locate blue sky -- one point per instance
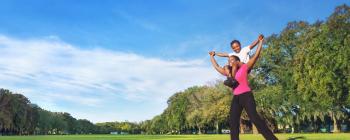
(121, 60)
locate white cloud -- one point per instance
(62, 77)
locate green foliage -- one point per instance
(302, 77)
(341, 136)
(194, 110)
(309, 63)
(301, 81)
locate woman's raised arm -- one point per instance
(255, 57)
(216, 65)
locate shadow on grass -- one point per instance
(297, 138)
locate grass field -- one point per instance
(342, 136)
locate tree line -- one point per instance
(18, 116)
(301, 84)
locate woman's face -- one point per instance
(236, 47)
(232, 61)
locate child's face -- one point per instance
(236, 47)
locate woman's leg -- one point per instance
(248, 102)
(235, 116)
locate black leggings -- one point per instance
(246, 101)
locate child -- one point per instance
(243, 54)
(240, 55)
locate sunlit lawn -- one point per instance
(341, 136)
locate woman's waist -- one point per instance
(241, 89)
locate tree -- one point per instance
(322, 67)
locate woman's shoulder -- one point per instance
(245, 67)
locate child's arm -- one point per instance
(234, 70)
(227, 70)
(251, 46)
(216, 65)
(221, 54)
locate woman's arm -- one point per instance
(216, 65)
(255, 57)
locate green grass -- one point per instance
(341, 136)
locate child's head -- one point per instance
(236, 46)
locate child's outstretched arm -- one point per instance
(221, 54)
(251, 46)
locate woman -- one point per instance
(243, 96)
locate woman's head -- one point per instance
(233, 60)
(236, 46)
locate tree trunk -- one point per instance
(217, 127)
(241, 128)
(335, 125)
(199, 130)
(315, 127)
(255, 130)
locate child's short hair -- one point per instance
(235, 41)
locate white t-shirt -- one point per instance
(243, 54)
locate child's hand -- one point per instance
(262, 40)
(212, 53)
(261, 37)
(234, 68)
(227, 70)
